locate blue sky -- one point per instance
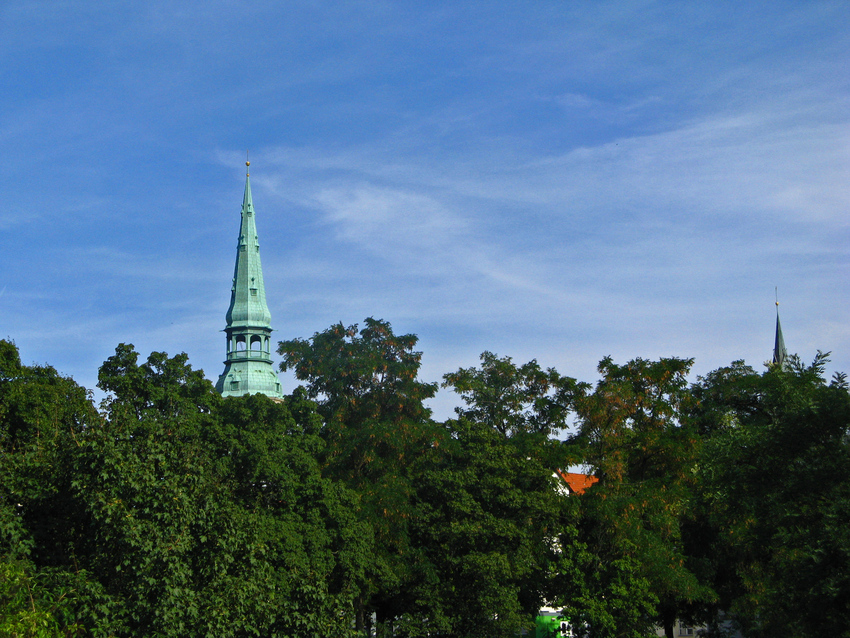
(550, 180)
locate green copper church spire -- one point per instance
(248, 367)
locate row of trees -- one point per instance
(345, 508)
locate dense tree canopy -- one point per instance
(172, 511)
(634, 438)
(776, 494)
(344, 508)
(376, 429)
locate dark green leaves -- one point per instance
(174, 512)
(777, 495)
(513, 400)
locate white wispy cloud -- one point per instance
(645, 237)
(543, 180)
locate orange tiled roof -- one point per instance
(577, 483)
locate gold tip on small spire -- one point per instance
(247, 163)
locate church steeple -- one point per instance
(780, 354)
(248, 368)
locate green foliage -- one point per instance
(211, 516)
(605, 593)
(376, 428)
(308, 524)
(163, 533)
(484, 536)
(634, 572)
(23, 608)
(513, 400)
(723, 397)
(161, 389)
(10, 360)
(488, 511)
(44, 418)
(777, 499)
(368, 395)
(50, 602)
(174, 512)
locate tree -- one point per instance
(634, 571)
(211, 516)
(776, 495)
(488, 514)
(368, 395)
(172, 512)
(376, 427)
(164, 390)
(513, 400)
(43, 420)
(163, 533)
(317, 548)
(487, 508)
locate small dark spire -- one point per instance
(780, 354)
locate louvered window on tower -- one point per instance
(253, 292)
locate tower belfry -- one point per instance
(248, 368)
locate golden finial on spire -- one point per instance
(247, 163)
(776, 293)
